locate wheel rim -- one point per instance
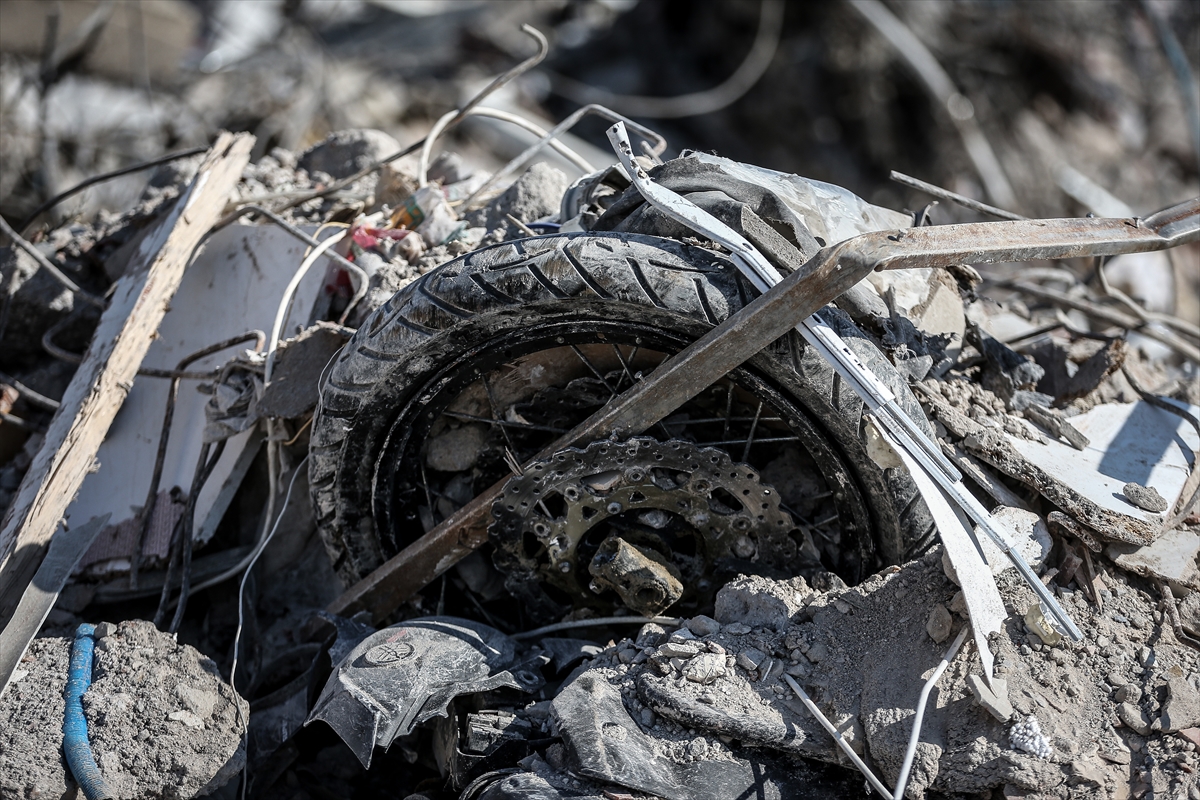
(756, 423)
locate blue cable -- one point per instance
(76, 747)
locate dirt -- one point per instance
(161, 721)
(863, 653)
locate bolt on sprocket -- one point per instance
(684, 509)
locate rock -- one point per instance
(939, 624)
(737, 629)
(958, 604)
(1134, 718)
(1171, 557)
(1115, 751)
(703, 626)
(705, 668)
(750, 658)
(1129, 693)
(1182, 709)
(343, 153)
(993, 699)
(536, 194)
(198, 701)
(676, 649)
(456, 449)
(187, 718)
(817, 653)
(650, 634)
(104, 629)
(1146, 498)
(760, 602)
(1026, 532)
(1189, 613)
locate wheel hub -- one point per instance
(645, 520)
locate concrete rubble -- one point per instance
(751, 596)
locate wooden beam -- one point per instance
(139, 301)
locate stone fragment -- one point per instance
(958, 604)
(345, 152)
(1182, 709)
(760, 602)
(1146, 498)
(705, 668)
(1171, 557)
(1129, 693)
(703, 626)
(105, 629)
(994, 698)
(1189, 613)
(750, 658)
(456, 449)
(187, 718)
(736, 629)
(1025, 531)
(1134, 718)
(940, 623)
(678, 649)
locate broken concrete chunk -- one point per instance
(1189, 613)
(705, 668)
(343, 153)
(703, 626)
(750, 658)
(1172, 558)
(759, 602)
(1182, 709)
(142, 681)
(1146, 498)
(940, 623)
(675, 649)
(1134, 718)
(536, 194)
(993, 699)
(1026, 532)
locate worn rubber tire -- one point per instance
(402, 351)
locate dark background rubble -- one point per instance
(1061, 89)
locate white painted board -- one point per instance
(1130, 443)
(234, 285)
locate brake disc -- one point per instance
(647, 519)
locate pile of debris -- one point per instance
(451, 444)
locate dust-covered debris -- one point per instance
(161, 721)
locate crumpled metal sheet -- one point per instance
(404, 675)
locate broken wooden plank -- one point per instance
(138, 303)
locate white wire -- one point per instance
(505, 116)
(237, 636)
(919, 717)
(286, 302)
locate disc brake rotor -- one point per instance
(646, 519)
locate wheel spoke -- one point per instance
(753, 427)
(624, 365)
(766, 440)
(595, 371)
(487, 387)
(504, 423)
